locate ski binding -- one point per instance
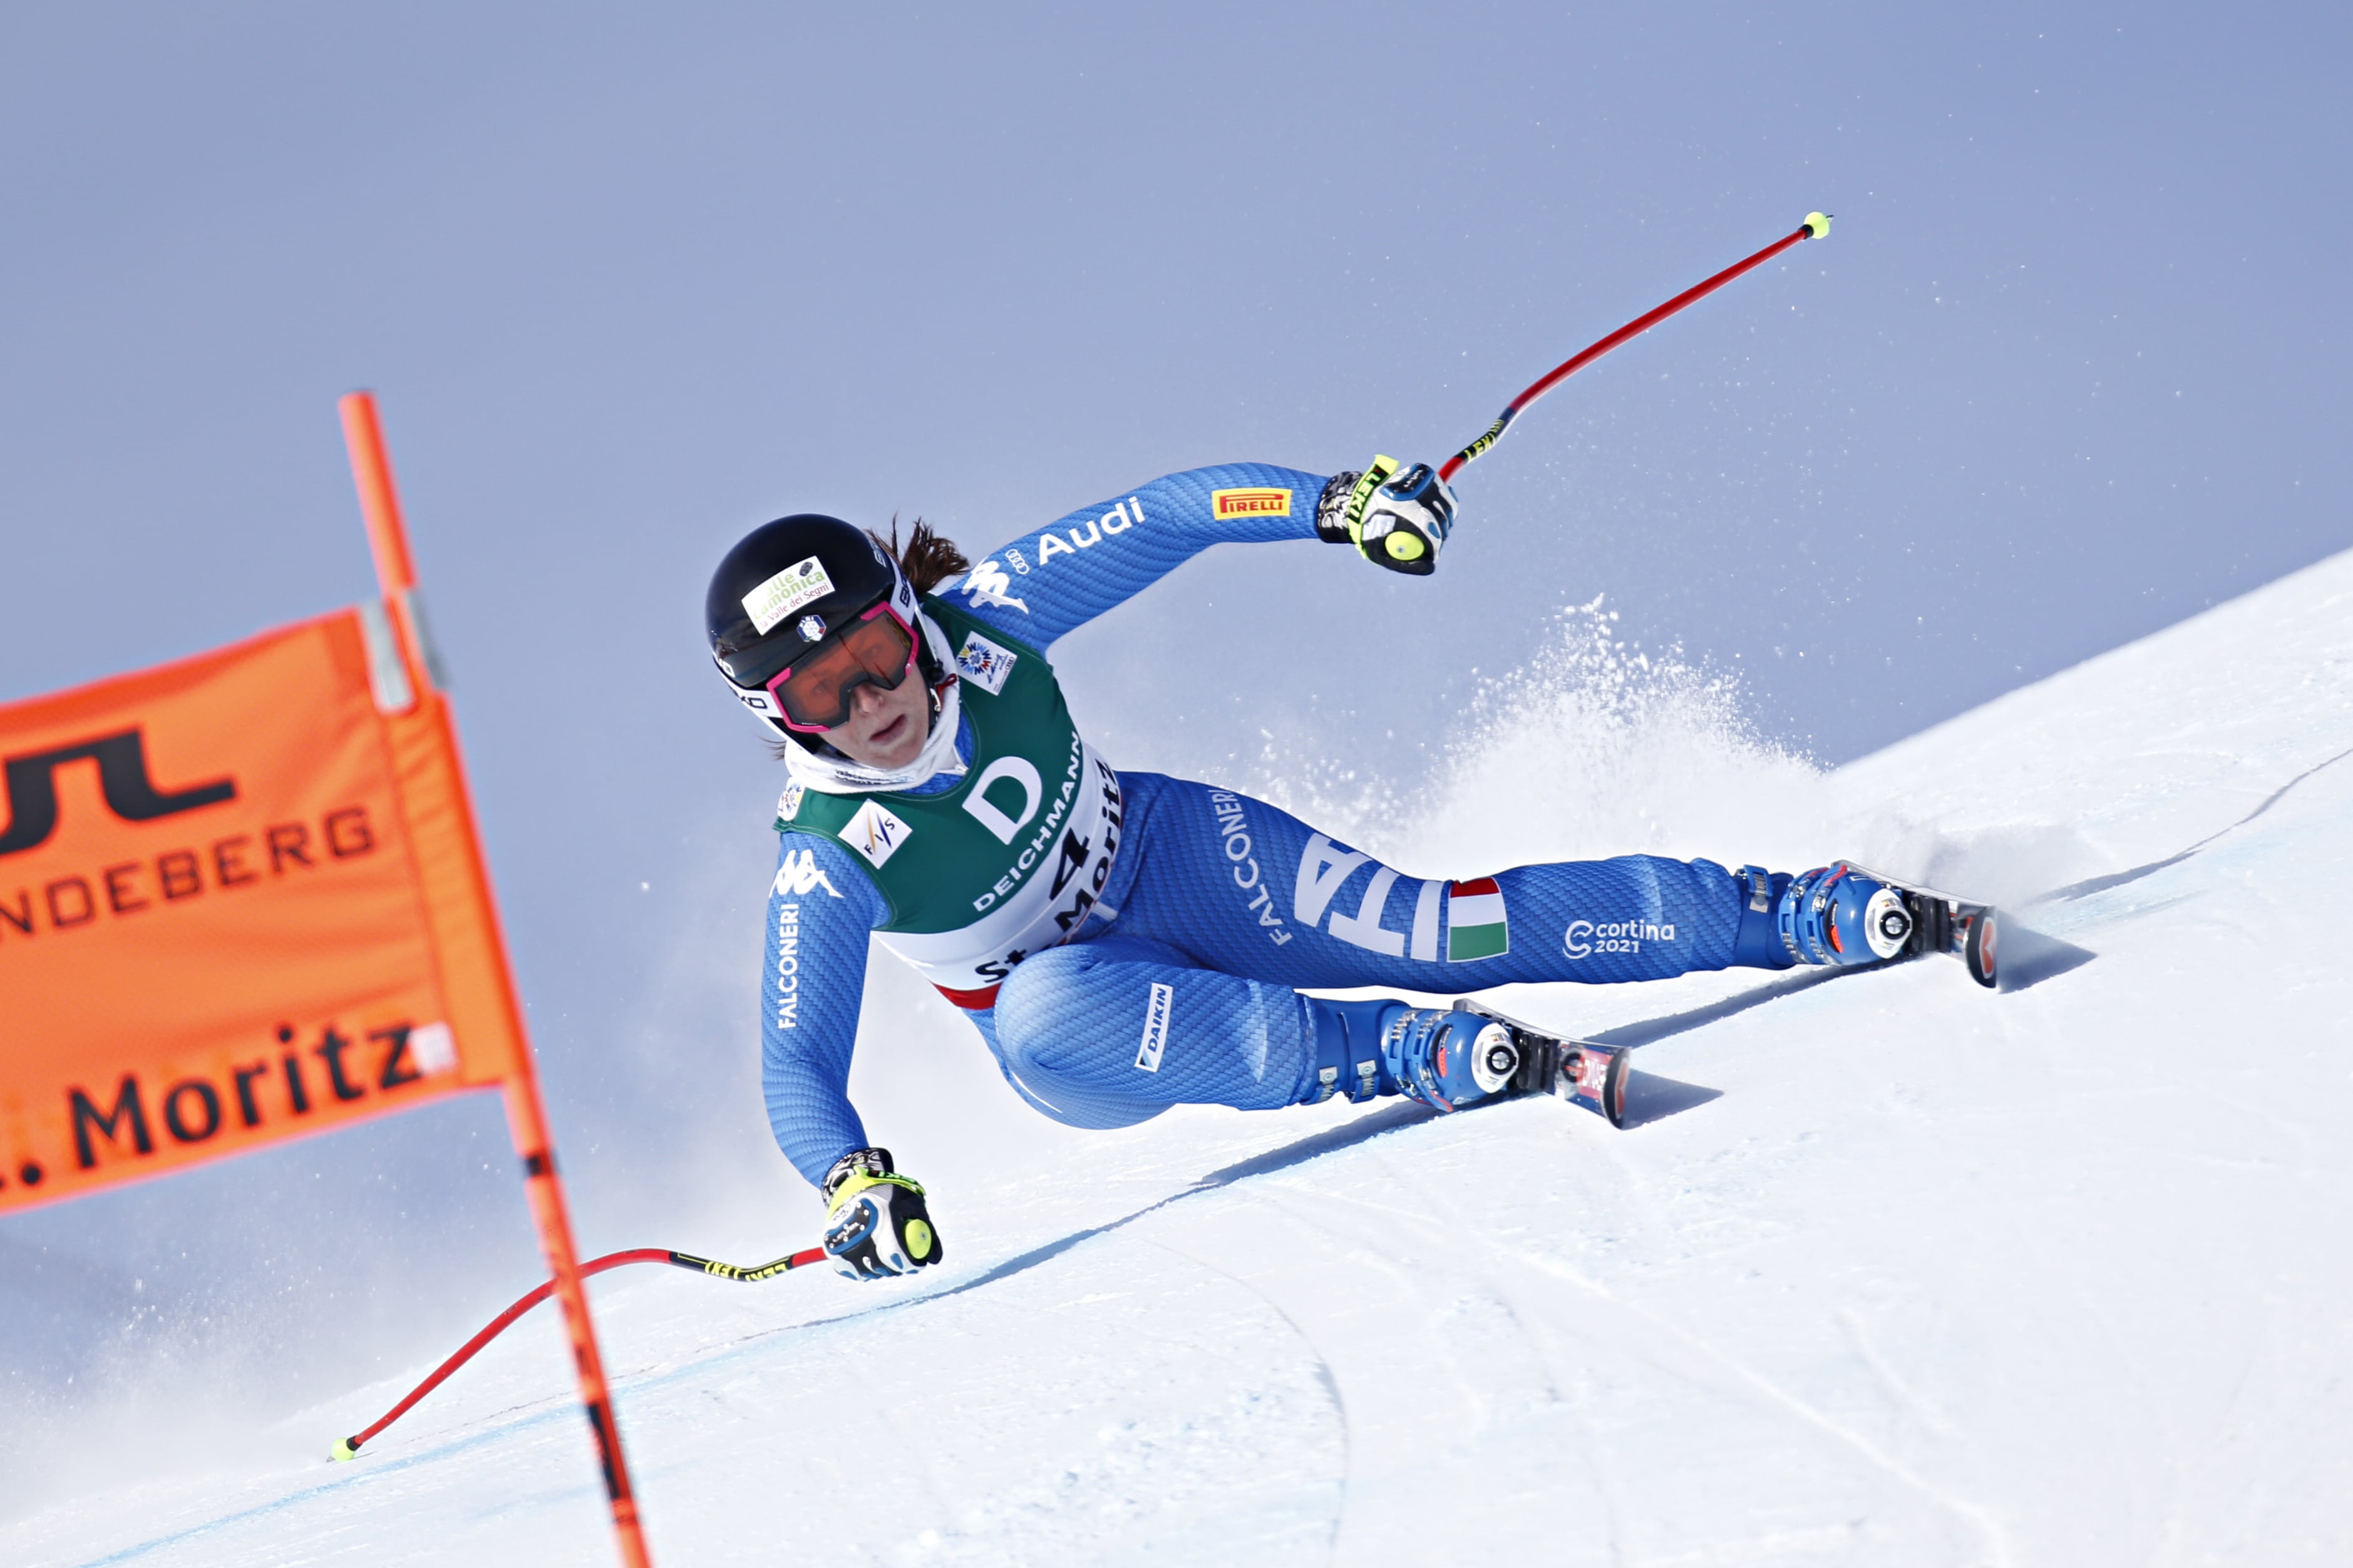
(1583, 1071)
(1946, 922)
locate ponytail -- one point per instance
(926, 559)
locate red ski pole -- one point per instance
(350, 1446)
(1816, 225)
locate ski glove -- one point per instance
(875, 1222)
(1394, 520)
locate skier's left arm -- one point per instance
(1043, 585)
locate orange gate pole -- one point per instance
(526, 1116)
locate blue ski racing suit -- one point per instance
(1180, 918)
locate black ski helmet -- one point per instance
(786, 586)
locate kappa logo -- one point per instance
(985, 663)
(1155, 1028)
(799, 875)
(875, 833)
(988, 584)
(1254, 500)
(123, 779)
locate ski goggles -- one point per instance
(813, 692)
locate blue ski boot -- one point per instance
(1450, 1057)
(1845, 914)
(1837, 914)
(1443, 1058)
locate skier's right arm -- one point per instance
(822, 910)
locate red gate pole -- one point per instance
(526, 1116)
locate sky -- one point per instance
(629, 281)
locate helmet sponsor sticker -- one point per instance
(875, 833)
(804, 583)
(812, 628)
(1252, 501)
(985, 663)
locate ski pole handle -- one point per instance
(1816, 225)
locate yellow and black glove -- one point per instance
(1394, 520)
(876, 1224)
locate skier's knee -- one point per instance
(1038, 991)
(1056, 1034)
(1050, 1068)
(1039, 1008)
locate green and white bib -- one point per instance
(1013, 859)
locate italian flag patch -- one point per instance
(1476, 926)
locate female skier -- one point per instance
(1126, 941)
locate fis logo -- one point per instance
(130, 794)
(1257, 500)
(1155, 1028)
(875, 833)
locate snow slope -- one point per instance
(1891, 1270)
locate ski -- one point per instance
(1947, 922)
(1583, 1072)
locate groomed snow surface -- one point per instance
(1891, 1269)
